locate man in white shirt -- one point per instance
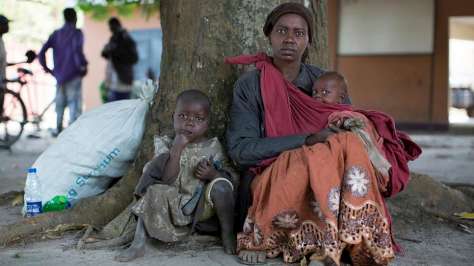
(3, 59)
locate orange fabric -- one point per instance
(318, 200)
(374, 135)
(289, 111)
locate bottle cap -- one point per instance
(31, 170)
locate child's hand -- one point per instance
(205, 170)
(180, 141)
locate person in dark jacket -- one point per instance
(121, 54)
(307, 188)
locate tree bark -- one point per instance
(197, 35)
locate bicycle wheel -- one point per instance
(13, 119)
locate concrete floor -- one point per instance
(14, 163)
(448, 158)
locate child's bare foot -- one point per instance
(131, 253)
(229, 243)
(137, 249)
(223, 199)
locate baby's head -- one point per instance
(330, 88)
(191, 116)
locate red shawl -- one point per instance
(289, 111)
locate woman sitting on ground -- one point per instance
(318, 199)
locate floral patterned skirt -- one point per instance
(319, 200)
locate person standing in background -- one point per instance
(70, 66)
(121, 54)
(3, 59)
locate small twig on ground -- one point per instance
(446, 217)
(462, 224)
(464, 228)
(78, 235)
(410, 239)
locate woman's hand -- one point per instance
(205, 171)
(319, 137)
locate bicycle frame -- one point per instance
(13, 119)
(34, 117)
(13, 111)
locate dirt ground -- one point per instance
(424, 224)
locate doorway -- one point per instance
(461, 70)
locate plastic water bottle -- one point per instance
(32, 194)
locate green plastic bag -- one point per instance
(58, 203)
(103, 92)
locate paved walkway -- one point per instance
(448, 158)
(14, 164)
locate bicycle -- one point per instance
(15, 116)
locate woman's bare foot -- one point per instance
(250, 257)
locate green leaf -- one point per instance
(100, 12)
(465, 215)
(125, 8)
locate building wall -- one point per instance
(413, 88)
(96, 34)
(398, 85)
(386, 27)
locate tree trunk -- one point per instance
(197, 35)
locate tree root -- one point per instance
(110, 243)
(60, 229)
(10, 197)
(81, 242)
(94, 211)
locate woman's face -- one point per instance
(289, 38)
